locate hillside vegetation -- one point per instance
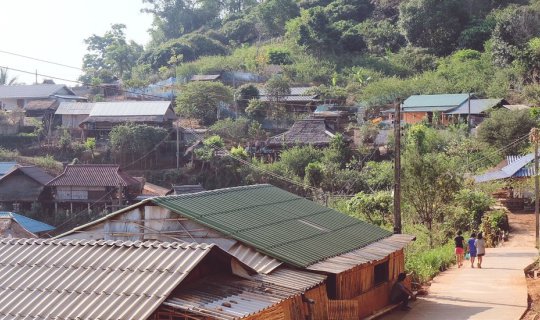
(369, 51)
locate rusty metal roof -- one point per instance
(370, 253)
(54, 279)
(94, 175)
(229, 297)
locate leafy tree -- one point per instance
(273, 14)
(256, 110)
(240, 30)
(296, 159)
(131, 141)
(314, 30)
(430, 178)
(381, 36)
(376, 208)
(476, 34)
(110, 55)
(504, 127)
(378, 175)
(279, 57)
(231, 130)
(476, 203)
(4, 78)
(277, 87)
(514, 27)
(433, 24)
(203, 45)
(90, 144)
(314, 174)
(349, 10)
(244, 94)
(200, 100)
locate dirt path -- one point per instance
(497, 291)
(521, 229)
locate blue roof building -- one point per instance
(6, 167)
(516, 167)
(28, 224)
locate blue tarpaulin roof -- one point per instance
(518, 166)
(5, 167)
(29, 224)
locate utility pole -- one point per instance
(469, 114)
(534, 138)
(397, 167)
(177, 146)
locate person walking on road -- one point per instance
(480, 245)
(459, 240)
(400, 293)
(471, 248)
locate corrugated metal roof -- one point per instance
(205, 77)
(228, 297)
(130, 108)
(29, 224)
(53, 279)
(295, 91)
(300, 98)
(253, 258)
(188, 188)
(74, 108)
(292, 279)
(44, 104)
(6, 167)
(125, 119)
(31, 91)
(35, 173)
(96, 175)
(516, 107)
(435, 100)
(370, 253)
(516, 167)
(477, 106)
(275, 222)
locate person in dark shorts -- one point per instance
(459, 240)
(400, 293)
(471, 248)
(480, 245)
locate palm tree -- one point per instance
(4, 77)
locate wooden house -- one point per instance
(141, 280)
(14, 225)
(100, 184)
(19, 96)
(299, 101)
(268, 229)
(314, 132)
(428, 108)
(22, 187)
(72, 114)
(105, 115)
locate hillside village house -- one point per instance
(22, 187)
(102, 185)
(5, 167)
(300, 100)
(268, 229)
(19, 96)
(445, 108)
(72, 114)
(105, 115)
(143, 280)
(14, 225)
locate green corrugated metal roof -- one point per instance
(276, 222)
(441, 102)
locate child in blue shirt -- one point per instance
(472, 248)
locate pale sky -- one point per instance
(55, 30)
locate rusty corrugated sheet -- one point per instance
(256, 260)
(71, 279)
(373, 252)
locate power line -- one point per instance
(41, 60)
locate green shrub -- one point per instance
(424, 265)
